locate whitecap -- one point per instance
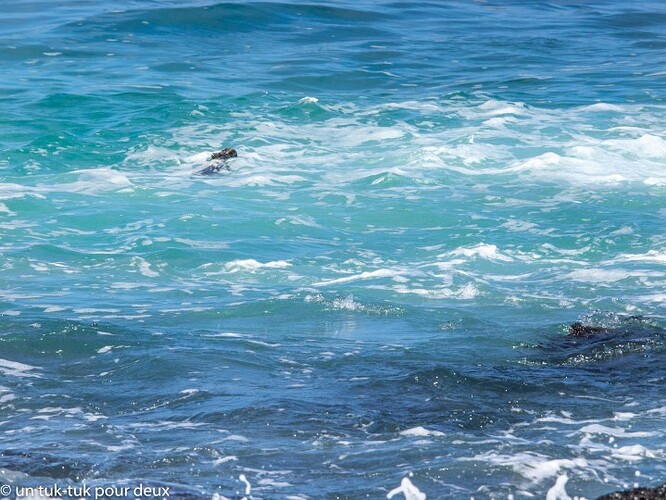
(632, 453)
(466, 292)
(532, 466)
(558, 491)
(408, 489)
(16, 369)
(93, 181)
(646, 146)
(253, 265)
(421, 432)
(482, 250)
(144, 267)
(656, 256)
(308, 100)
(655, 181)
(379, 273)
(614, 431)
(248, 486)
(598, 275)
(603, 107)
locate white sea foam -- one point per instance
(298, 220)
(308, 100)
(262, 180)
(493, 107)
(654, 298)
(598, 275)
(421, 106)
(614, 431)
(224, 460)
(654, 256)
(237, 438)
(421, 432)
(604, 107)
(248, 486)
(530, 465)
(646, 146)
(567, 420)
(9, 191)
(92, 181)
(624, 416)
(94, 310)
(253, 265)
(272, 483)
(6, 210)
(483, 251)
(558, 490)
(165, 425)
(519, 225)
(633, 453)
(6, 398)
(348, 303)
(408, 489)
(199, 158)
(366, 275)
(149, 155)
(16, 369)
(144, 267)
(466, 292)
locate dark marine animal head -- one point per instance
(224, 154)
(219, 162)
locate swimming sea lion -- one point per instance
(219, 162)
(224, 154)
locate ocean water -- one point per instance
(374, 300)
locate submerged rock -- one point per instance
(620, 324)
(578, 329)
(658, 493)
(219, 162)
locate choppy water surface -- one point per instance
(425, 196)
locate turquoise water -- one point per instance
(379, 290)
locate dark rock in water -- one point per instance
(38, 464)
(219, 162)
(578, 329)
(611, 346)
(658, 493)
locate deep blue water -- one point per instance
(379, 289)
